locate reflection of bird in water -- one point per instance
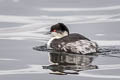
(66, 63)
(72, 43)
(70, 63)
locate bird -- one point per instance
(64, 41)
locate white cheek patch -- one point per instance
(55, 34)
(59, 35)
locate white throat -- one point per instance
(59, 35)
(56, 35)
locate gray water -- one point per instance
(24, 23)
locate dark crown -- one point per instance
(59, 27)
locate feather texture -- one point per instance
(74, 43)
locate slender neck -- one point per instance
(56, 36)
(49, 42)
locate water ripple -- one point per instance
(37, 69)
(82, 9)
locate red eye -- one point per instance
(54, 30)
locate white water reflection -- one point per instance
(30, 31)
(45, 19)
(108, 42)
(37, 69)
(7, 59)
(99, 76)
(16, 1)
(37, 26)
(83, 9)
(30, 70)
(100, 34)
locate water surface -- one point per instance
(23, 25)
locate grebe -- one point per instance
(62, 40)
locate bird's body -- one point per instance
(72, 43)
